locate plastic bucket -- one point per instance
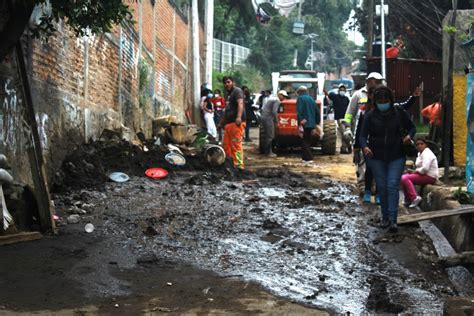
(214, 155)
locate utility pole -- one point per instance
(196, 63)
(370, 31)
(312, 54)
(295, 60)
(448, 99)
(209, 45)
(382, 21)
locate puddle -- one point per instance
(310, 245)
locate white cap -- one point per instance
(341, 85)
(374, 75)
(283, 92)
(302, 88)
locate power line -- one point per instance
(415, 15)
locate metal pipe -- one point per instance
(382, 17)
(295, 60)
(209, 48)
(196, 64)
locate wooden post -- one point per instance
(370, 31)
(448, 101)
(35, 153)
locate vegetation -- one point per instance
(273, 44)
(419, 22)
(82, 16)
(243, 76)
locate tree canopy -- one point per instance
(419, 23)
(272, 45)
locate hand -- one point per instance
(303, 122)
(367, 152)
(417, 92)
(407, 139)
(238, 121)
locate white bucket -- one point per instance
(214, 155)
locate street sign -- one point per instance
(298, 27)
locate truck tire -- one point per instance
(329, 141)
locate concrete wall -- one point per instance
(458, 230)
(82, 85)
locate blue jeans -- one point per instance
(387, 178)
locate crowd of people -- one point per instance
(381, 127)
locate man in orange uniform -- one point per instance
(234, 118)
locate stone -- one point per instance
(73, 219)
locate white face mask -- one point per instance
(342, 93)
(216, 95)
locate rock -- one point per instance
(5, 177)
(73, 219)
(148, 258)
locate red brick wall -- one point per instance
(82, 85)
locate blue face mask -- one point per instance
(342, 93)
(383, 106)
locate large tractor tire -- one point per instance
(329, 142)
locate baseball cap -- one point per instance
(283, 92)
(374, 75)
(341, 85)
(302, 88)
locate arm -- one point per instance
(317, 115)
(299, 110)
(352, 108)
(240, 111)
(276, 105)
(409, 126)
(364, 134)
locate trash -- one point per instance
(116, 305)
(175, 159)
(89, 228)
(119, 177)
(73, 219)
(172, 148)
(145, 149)
(169, 283)
(215, 155)
(7, 217)
(156, 173)
(56, 217)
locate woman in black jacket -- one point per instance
(384, 132)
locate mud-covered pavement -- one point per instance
(286, 238)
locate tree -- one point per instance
(419, 22)
(82, 16)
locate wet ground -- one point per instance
(286, 238)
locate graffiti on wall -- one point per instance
(164, 86)
(10, 116)
(42, 122)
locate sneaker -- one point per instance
(415, 202)
(307, 161)
(367, 197)
(272, 155)
(377, 200)
(393, 228)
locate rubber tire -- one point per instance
(329, 141)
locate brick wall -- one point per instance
(82, 85)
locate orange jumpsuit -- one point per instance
(232, 142)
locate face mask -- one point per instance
(209, 95)
(342, 93)
(383, 106)
(216, 95)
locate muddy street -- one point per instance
(284, 238)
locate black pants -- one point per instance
(306, 145)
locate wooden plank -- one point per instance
(35, 153)
(23, 236)
(404, 219)
(462, 259)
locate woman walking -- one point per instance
(426, 172)
(384, 131)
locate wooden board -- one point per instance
(404, 219)
(23, 236)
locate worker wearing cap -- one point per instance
(354, 117)
(340, 101)
(269, 120)
(308, 117)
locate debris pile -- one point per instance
(90, 165)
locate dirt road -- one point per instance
(285, 239)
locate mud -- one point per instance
(200, 239)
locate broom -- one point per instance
(7, 217)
